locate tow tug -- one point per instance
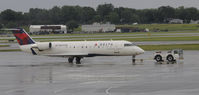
(170, 56)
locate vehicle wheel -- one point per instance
(70, 59)
(158, 58)
(78, 60)
(170, 58)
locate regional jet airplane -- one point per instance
(75, 49)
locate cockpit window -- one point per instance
(129, 44)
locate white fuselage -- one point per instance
(85, 48)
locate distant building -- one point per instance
(48, 29)
(135, 23)
(175, 21)
(194, 22)
(97, 27)
(124, 29)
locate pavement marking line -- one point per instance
(107, 91)
(14, 90)
(60, 90)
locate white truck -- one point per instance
(170, 56)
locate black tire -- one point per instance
(78, 60)
(158, 58)
(170, 58)
(70, 59)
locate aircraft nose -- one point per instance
(140, 50)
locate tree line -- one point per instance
(72, 15)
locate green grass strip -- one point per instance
(4, 45)
(190, 38)
(114, 33)
(169, 27)
(170, 47)
(9, 50)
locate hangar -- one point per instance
(97, 27)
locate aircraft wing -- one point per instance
(67, 54)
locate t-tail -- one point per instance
(24, 40)
(22, 36)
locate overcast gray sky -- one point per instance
(24, 5)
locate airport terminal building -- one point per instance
(48, 29)
(97, 27)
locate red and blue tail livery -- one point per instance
(22, 37)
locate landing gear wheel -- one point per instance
(133, 60)
(158, 58)
(70, 59)
(78, 60)
(170, 58)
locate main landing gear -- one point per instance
(78, 59)
(70, 59)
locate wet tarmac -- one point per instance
(24, 74)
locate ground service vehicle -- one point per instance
(170, 56)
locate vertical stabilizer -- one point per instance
(22, 36)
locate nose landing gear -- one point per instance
(133, 59)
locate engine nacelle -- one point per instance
(44, 45)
